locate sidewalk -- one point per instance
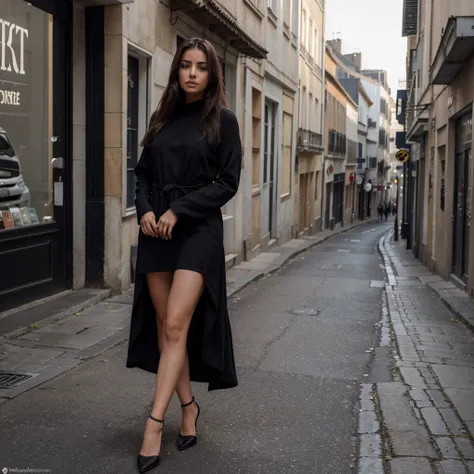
(32, 353)
(431, 322)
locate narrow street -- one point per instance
(303, 339)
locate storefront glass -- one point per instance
(26, 138)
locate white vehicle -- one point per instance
(13, 190)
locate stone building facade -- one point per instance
(437, 111)
(310, 159)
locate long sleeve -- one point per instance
(142, 189)
(201, 203)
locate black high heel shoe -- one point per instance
(185, 442)
(145, 463)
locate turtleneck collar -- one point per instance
(194, 107)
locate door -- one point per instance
(327, 217)
(34, 153)
(462, 195)
(269, 172)
(338, 209)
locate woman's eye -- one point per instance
(184, 66)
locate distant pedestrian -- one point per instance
(189, 169)
(380, 212)
(385, 211)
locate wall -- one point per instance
(78, 145)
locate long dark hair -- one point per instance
(173, 95)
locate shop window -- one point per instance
(137, 117)
(26, 116)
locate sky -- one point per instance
(373, 28)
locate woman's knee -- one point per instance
(174, 330)
(160, 317)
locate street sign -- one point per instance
(402, 156)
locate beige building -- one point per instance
(439, 130)
(336, 115)
(310, 160)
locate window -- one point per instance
(137, 117)
(316, 115)
(315, 50)
(294, 15)
(287, 12)
(27, 109)
(303, 27)
(316, 185)
(132, 126)
(309, 46)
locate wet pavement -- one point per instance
(334, 376)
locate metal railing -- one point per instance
(309, 140)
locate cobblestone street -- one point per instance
(348, 359)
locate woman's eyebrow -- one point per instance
(187, 61)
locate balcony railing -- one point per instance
(309, 141)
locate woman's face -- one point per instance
(193, 73)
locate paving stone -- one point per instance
(370, 466)
(470, 465)
(368, 422)
(463, 402)
(423, 403)
(370, 446)
(419, 395)
(438, 398)
(434, 421)
(466, 446)
(447, 448)
(408, 437)
(452, 466)
(410, 466)
(451, 419)
(413, 378)
(366, 402)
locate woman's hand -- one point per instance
(148, 224)
(166, 223)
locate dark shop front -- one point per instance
(35, 172)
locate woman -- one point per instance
(190, 167)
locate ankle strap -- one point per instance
(156, 419)
(187, 404)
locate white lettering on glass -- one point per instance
(9, 98)
(8, 56)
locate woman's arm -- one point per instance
(203, 202)
(142, 189)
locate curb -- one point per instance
(255, 275)
(98, 298)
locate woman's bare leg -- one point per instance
(186, 289)
(159, 285)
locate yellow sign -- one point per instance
(402, 156)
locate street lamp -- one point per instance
(395, 181)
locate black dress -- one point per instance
(182, 171)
